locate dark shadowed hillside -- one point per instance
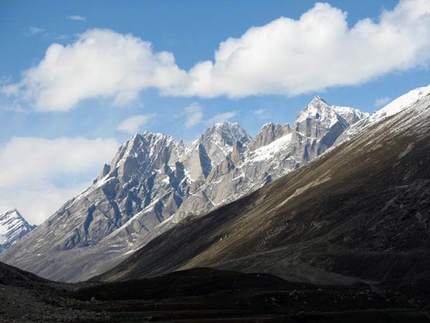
(197, 295)
(25, 297)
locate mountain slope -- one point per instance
(13, 227)
(361, 212)
(154, 182)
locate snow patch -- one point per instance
(269, 151)
(400, 103)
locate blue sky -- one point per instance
(78, 78)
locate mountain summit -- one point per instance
(154, 182)
(13, 227)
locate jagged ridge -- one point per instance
(154, 182)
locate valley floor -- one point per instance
(207, 295)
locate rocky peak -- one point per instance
(319, 100)
(13, 227)
(318, 110)
(319, 125)
(351, 115)
(142, 153)
(226, 133)
(219, 140)
(317, 118)
(129, 148)
(269, 133)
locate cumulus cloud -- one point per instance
(318, 51)
(380, 102)
(285, 57)
(38, 175)
(133, 124)
(100, 64)
(76, 17)
(194, 115)
(221, 117)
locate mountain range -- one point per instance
(154, 182)
(344, 237)
(358, 214)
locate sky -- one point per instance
(79, 78)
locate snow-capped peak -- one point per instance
(225, 133)
(396, 106)
(351, 115)
(9, 211)
(13, 227)
(318, 99)
(313, 110)
(320, 111)
(400, 103)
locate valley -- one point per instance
(200, 295)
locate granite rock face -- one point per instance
(154, 182)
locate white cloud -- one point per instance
(38, 175)
(221, 117)
(101, 63)
(380, 102)
(76, 17)
(286, 57)
(194, 115)
(291, 57)
(133, 124)
(35, 30)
